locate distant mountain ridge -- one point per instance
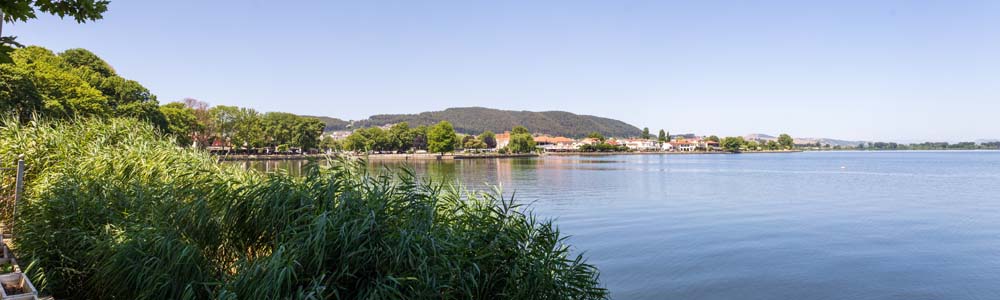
(803, 141)
(475, 120)
(332, 124)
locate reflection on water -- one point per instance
(837, 225)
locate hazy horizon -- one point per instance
(907, 71)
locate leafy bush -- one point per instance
(116, 211)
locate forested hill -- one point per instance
(474, 120)
(332, 124)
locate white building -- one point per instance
(642, 145)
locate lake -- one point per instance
(813, 225)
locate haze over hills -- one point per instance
(475, 120)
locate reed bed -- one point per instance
(116, 211)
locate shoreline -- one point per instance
(665, 153)
(404, 156)
(428, 156)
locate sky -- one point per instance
(859, 70)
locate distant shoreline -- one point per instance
(434, 156)
(663, 153)
(402, 156)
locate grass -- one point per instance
(115, 211)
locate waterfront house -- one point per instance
(642, 144)
(555, 144)
(711, 145)
(503, 139)
(589, 141)
(684, 145)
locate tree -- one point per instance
(519, 130)
(464, 140)
(597, 136)
(441, 138)
(521, 143)
(328, 143)
(786, 142)
(521, 140)
(77, 83)
(772, 145)
(668, 136)
(18, 94)
(223, 122)
(663, 136)
(279, 128)
(732, 144)
(247, 130)
(645, 133)
(419, 135)
(357, 142)
(181, 122)
(713, 138)
(64, 94)
(83, 58)
(307, 133)
(488, 138)
(400, 137)
(202, 137)
(474, 144)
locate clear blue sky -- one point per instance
(875, 70)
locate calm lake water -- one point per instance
(832, 225)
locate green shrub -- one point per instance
(115, 211)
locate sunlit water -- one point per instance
(834, 225)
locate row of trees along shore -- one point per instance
(439, 138)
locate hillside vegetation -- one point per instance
(475, 120)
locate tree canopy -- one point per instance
(733, 144)
(785, 141)
(441, 138)
(488, 138)
(75, 83)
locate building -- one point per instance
(502, 139)
(711, 145)
(642, 144)
(340, 134)
(684, 145)
(555, 144)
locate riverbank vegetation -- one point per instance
(439, 138)
(116, 211)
